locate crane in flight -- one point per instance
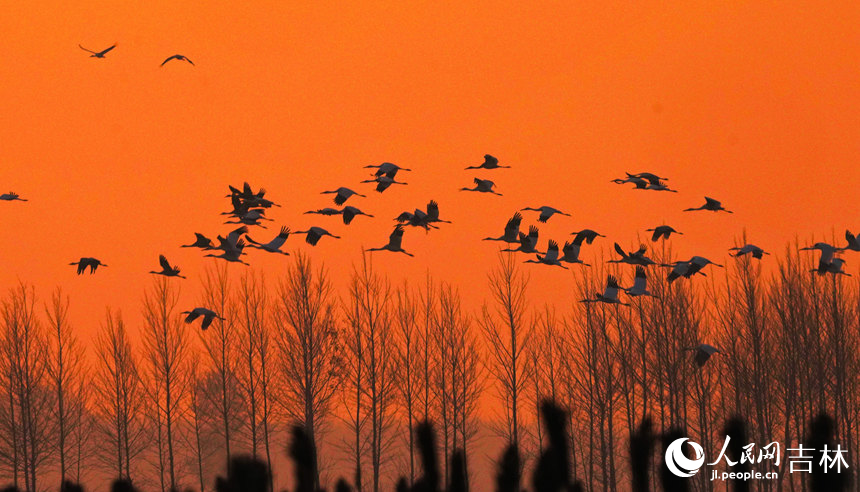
(834, 266)
(200, 241)
(632, 258)
(545, 212)
(490, 162)
(650, 177)
(98, 54)
(273, 246)
(587, 235)
(663, 231)
(528, 243)
(512, 230)
(750, 249)
(231, 252)
(853, 241)
(482, 186)
(570, 252)
(551, 256)
(314, 234)
(166, 269)
(710, 204)
(208, 316)
(86, 262)
(342, 194)
(383, 182)
(387, 169)
(178, 58)
(827, 252)
(609, 295)
(703, 353)
(395, 240)
(640, 284)
(12, 196)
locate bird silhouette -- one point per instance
(383, 182)
(395, 240)
(177, 57)
(12, 196)
(609, 295)
(650, 177)
(710, 204)
(545, 212)
(273, 246)
(640, 284)
(751, 249)
(512, 230)
(482, 186)
(490, 162)
(208, 316)
(99, 54)
(231, 250)
(201, 242)
(387, 169)
(587, 235)
(853, 241)
(663, 231)
(551, 256)
(166, 269)
(85, 262)
(703, 353)
(528, 243)
(570, 253)
(826, 258)
(341, 194)
(632, 258)
(314, 234)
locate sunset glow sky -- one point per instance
(753, 103)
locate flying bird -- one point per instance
(551, 256)
(710, 204)
(545, 212)
(483, 186)
(650, 177)
(640, 284)
(314, 234)
(92, 263)
(383, 182)
(827, 252)
(177, 57)
(166, 269)
(208, 316)
(586, 235)
(231, 251)
(273, 246)
(350, 212)
(100, 54)
(570, 253)
(610, 294)
(663, 231)
(751, 249)
(689, 268)
(528, 243)
(853, 241)
(12, 196)
(395, 240)
(632, 258)
(342, 194)
(834, 266)
(512, 230)
(201, 242)
(703, 353)
(387, 169)
(490, 162)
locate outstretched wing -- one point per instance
(168, 59)
(105, 51)
(711, 202)
(620, 251)
(91, 51)
(164, 263)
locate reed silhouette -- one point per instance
(641, 454)
(735, 432)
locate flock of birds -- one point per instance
(249, 210)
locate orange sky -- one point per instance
(754, 103)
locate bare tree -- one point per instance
(371, 313)
(219, 343)
(119, 397)
(307, 341)
(507, 336)
(166, 352)
(66, 372)
(31, 398)
(409, 360)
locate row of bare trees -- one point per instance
(166, 404)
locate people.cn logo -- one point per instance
(677, 461)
